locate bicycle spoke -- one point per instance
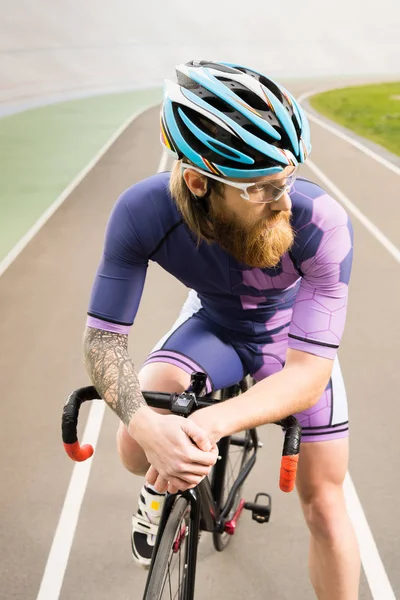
(169, 579)
(179, 573)
(233, 468)
(236, 455)
(179, 569)
(179, 566)
(174, 563)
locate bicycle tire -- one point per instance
(160, 577)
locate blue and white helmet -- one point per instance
(232, 121)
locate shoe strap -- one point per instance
(152, 505)
(143, 525)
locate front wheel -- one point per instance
(172, 568)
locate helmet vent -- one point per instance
(226, 81)
(262, 135)
(219, 104)
(251, 99)
(224, 150)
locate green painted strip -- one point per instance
(42, 151)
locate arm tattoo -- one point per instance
(112, 371)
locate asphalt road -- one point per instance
(43, 301)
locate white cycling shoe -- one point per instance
(145, 525)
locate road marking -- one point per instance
(373, 567)
(24, 241)
(57, 560)
(340, 134)
(378, 235)
(60, 550)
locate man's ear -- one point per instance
(196, 182)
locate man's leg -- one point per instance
(161, 377)
(334, 556)
(158, 377)
(193, 344)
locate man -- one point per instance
(268, 258)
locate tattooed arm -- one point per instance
(112, 371)
(166, 440)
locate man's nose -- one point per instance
(284, 203)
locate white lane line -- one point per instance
(377, 233)
(24, 241)
(343, 136)
(60, 549)
(373, 567)
(57, 560)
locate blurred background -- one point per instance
(80, 88)
(52, 50)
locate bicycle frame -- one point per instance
(244, 472)
(204, 512)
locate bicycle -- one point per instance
(214, 505)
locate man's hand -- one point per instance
(201, 418)
(204, 419)
(179, 451)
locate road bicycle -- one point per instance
(215, 504)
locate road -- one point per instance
(43, 299)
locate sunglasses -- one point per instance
(262, 192)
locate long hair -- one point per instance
(194, 210)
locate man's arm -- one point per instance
(112, 371)
(166, 440)
(324, 252)
(297, 387)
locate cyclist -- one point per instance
(267, 258)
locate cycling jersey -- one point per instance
(238, 319)
(308, 288)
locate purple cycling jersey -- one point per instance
(307, 291)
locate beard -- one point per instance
(260, 243)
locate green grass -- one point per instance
(372, 111)
(42, 150)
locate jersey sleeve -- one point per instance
(120, 277)
(324, 260)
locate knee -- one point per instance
(155, 376)
(325, 511)
(130, 453)
(163, 377)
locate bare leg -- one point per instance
(334, 555)
(158, 377)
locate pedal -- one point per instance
(260, 512)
